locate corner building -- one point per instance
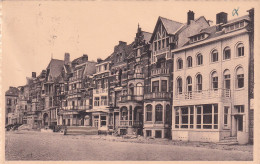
(211, 91)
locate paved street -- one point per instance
(54, 146)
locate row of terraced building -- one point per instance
(187, 81)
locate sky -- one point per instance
(35, 31)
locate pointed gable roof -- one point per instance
(147, 36)
(55, 67)
(170, 26)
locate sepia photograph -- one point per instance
(128, 80)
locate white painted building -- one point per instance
(211, 82)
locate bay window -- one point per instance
(198, 117)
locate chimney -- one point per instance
(221, 18)
(99, 60)
(190, 17)
(122, 42)
(66, 58)
(85, 57)
(34, 74)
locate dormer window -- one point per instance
(235, 26)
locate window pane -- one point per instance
(198, 119)
(207, 119)
(184, 119)
(207, 126)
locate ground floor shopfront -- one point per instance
(211, 122)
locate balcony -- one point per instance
(160, 71)
(74, 78)
(130, 123)
(126, 98)
(82, 107)
(100, 90)
(136, 76)
(158, 95)
(203, 95)
(77, 90)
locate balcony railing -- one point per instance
(100, 90)
(136, 76)
(157, 95)
(77, 90)
(160, 71)
(74, 78)
(204, 94)
(130, 123)
(125, 98)
(82, 107)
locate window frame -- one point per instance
(199, 59)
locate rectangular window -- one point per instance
(148, 133)
(103, 100)
(159, 45)
(158, 134)
(191, 117)
(226, 109)
(96, 101)
(163, 43)
(177, 116)
(240, 108)
(167, 42)
(155, 86)
(241, 24)
(103, 120)
(237, 25)
(232, 27)
(155, 46)
(207, 117)
(164, 85)
(184, 117)
(198, 117)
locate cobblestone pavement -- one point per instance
(30, 145)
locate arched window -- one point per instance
(199, 59)
(179, 86)
(199, 82)
(227, 79)
(179, 64)
(214, 78)
(240, 77)
(227, 53)
(138, 69)
(214, 56)
(189, 84)
(149, 112)
(189, 61)
(240, 50)
(139, 89)
(158, 112)
(131, 89)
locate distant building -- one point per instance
(11, 97)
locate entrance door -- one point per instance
(116, 120)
